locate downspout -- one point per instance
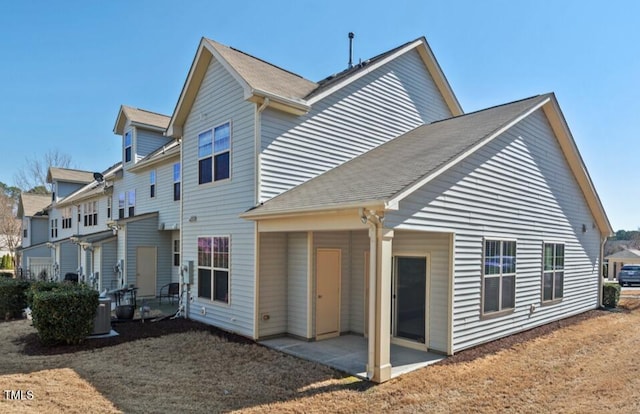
(257, 139)
(600, 270)
(183, 305)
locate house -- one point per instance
(35, 233)
(369, 203)
(147, 197)
(616, 260)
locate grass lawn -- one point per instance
(588, 367)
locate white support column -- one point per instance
(381, 332)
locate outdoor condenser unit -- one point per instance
(102, 321)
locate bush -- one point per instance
(41, 286)
(12, 297)
(610, 295)
(64, 315)
(6, 274)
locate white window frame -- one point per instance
(109, 207)
(152, 183)
(54, 228)
(212, 269)
(176, 252)
(122, 205)
(213, 153)
(67, 217)
(129, 145)
(131, 203)
(500, 275)
(555, 272)
(177, 175)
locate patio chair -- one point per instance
(170, 291)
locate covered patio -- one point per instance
(348, 353)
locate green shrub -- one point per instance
(42, 286)
(64, 315)
(12, 297)
(6, 274)
(610, 295)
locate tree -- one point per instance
(9, 224)
(34, 173)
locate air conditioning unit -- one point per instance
(102, 321)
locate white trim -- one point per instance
(213, 269)
(213, 154)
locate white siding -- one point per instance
(39, 230)
(298, 284)
(436, 246)
(357, 311)
(518, 187)
(108, 260)
(216, 206)
(385, 103)
(273, 284)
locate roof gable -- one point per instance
(625, 254)
(284, 90)
(421, 155)
(141, 118)
(31, 204)
(68, 175)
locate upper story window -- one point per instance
(90, 214)
(54, 228)
(67, 217)
(553, 272)
(131, 202)
(176, 181)
(176, 252)
(499, 275)
(121, 205)
(152, 183)
(214, 154)
(128, 143)
(109, 202)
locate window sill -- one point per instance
(498, 314)
(213, 302)
(551, 302)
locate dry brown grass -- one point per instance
(588, 367)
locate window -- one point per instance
(131, 202)
(214, 148)
(176, 181)
(499, 275)
(90, 214)
(553, 272)
(213, 268)
(25, 233)
(109, 203)
(127, 146)
(152, 184)
(121, 205)
(176, 252)
(67, 215)
(54, 228)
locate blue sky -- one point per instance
(68, 66)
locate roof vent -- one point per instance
(351, 36)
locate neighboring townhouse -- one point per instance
(146, 202)
(84, 218)
(368, 203)
(64, 221)
(34, 255)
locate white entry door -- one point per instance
(328, 265)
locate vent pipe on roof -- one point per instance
(351, 36)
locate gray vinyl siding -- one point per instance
(273, 284)
(68, 259)
(518, 187)
(436, 246)
(148, 141)
(168, 209)
(297, 286)
(40, 230)
(144, 232)
(63, 189)
(109, 252)
(34, 251)
(342, 241)
(215, 207)
(357, 311)
(385, 103)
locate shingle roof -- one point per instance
(625, 254)
(387, 170)
(30, 204)
(145, 117)
(69, 175)
(264, 76)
